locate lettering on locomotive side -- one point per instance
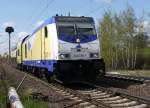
(82, 49)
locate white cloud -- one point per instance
(6, 24)
(14, 41)
(3, 34)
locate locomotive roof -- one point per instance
(78, 19)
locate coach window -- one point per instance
(46, 32)
(25, 50)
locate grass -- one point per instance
(2, 96)
(28, 102)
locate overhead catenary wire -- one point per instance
(47, 6)
(49, 2)
(27, 26)
(41, 13)
(30, 17)
(96, 9)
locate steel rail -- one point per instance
(124, 94)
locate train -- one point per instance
(63, 47)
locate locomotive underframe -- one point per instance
(69, 70)
(80, 69)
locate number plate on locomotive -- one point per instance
(79, 55)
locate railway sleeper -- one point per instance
(78, 100)
(139, 106)
(99, 97)
(111, 98)
(90, 106)
(96, 92)
(100, 94)
(117, 101)
(85, 104)
(127, 104)
(87, 92)
(68, 96)
(63, 92)
(74, 103)
(75, 98)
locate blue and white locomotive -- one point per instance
(63, 46)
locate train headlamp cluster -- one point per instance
(94, 55)
(64, 56)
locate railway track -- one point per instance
(140, 80)
(106, 98)
(97, 97)
(118, 99)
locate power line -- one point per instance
(30, 17)
(94, 10)
(42, 11)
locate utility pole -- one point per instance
(9, 30)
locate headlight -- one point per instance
(63, 56)
(94, 55)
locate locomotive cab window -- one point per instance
(85, 29)
(66, 30)
(46, 32)
(76, 29)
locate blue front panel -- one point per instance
(83, 39)
(41, 63)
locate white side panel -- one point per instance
(31, 42)
(53, 40)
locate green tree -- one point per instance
(106, 31)
(117, 39)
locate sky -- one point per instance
(25, 15)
